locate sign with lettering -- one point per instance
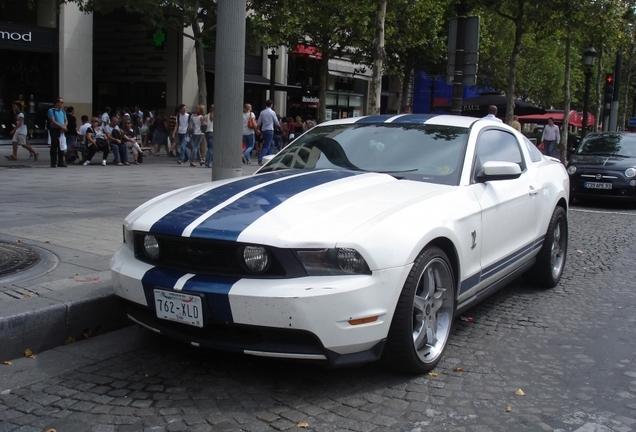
(28, 38)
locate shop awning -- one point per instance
(574, 119)
(347, 69)
(260, 80)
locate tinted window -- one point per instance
(610, 144)
(431, 153)
(535, 154)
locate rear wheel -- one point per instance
(550, 263)
(424, 315)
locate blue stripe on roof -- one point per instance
(229, 222)
(375, 119)
(178, 219)
(414, 118)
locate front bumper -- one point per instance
(304, 318)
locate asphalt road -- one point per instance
(571, 350)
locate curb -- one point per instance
(47, 322)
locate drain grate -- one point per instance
(15, 258)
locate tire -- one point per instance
(424, 313)
(550, 263)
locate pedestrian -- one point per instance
(515, 123)
(160, 134)
(550, 137)
(209, 135)
(196, 119)
(71, 134)
(249, 128)
(181, 130)
(19, 133)
(492, 114)
(406, 109)
(57, 125)
(267, 121)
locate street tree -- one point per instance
(379, 56)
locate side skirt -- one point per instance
(494, 287)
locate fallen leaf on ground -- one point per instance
(29, 354)
(458, 369)
(87, 334)
(48, 241)
(302, 425)
(579, 251)
(433, 374)
(26, 296)
(508, 408)
(51, 430)
(70, 340)
(7, 363)
(18, 241)
(92, 279)
(520, 393)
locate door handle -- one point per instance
(533, 191)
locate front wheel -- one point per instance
(548, 269)
(423, 316)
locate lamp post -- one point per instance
(589, 56)
(272, 56)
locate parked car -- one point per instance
(603, 167)
(361, 240)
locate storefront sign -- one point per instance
(310, 99)
(28, 38)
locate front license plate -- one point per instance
(179, 307)
(597, 185)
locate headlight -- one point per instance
(630, 172)
(129, 238)
(256, 258)
(339, 261)
(151, 247)
(571, 169)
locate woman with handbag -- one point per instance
(249, 128)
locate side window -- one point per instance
(497, 145)
(535, 154)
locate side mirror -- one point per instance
(499, 170)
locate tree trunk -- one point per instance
(599, 105)
(512, 65)
(563, 147)
(405, 94)
(322, 88)
(375, 87)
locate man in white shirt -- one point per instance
(266, 121)
(550, 137)
(181, 128)
(492, 114)
(19, 133)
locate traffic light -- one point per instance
(609, 88)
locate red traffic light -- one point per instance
(609, 78)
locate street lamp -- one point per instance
(589, 56)
(272, 56)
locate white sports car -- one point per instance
(361, 240)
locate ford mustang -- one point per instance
(362, 240)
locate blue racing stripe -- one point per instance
(469, 283)
(414, 118)
(178, 219)
(215, 289)
(229, 222)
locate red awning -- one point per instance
(307, 51)
(575, 118)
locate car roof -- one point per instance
(432, 119)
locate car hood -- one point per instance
(282, 208)
(607, 162)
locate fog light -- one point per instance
(571, 169)
(256, 258)
(151, 247)
(632, 182)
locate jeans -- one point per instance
(120, 151)
(249, 145)
(57, 156)
(195, 140)
(278, 143)
(208, 155)
(183, 153)
(268, 135)
(548, 147)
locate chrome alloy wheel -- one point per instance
(558, 248)
(432, 310)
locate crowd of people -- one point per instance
(186, 136)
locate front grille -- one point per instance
(212, 257)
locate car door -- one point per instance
(510, 208)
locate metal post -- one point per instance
(272, 72)
(586, 99)
(433, 79)
(458, 75)
(229, 90)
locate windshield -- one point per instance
(608, 144)
(429, 153)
